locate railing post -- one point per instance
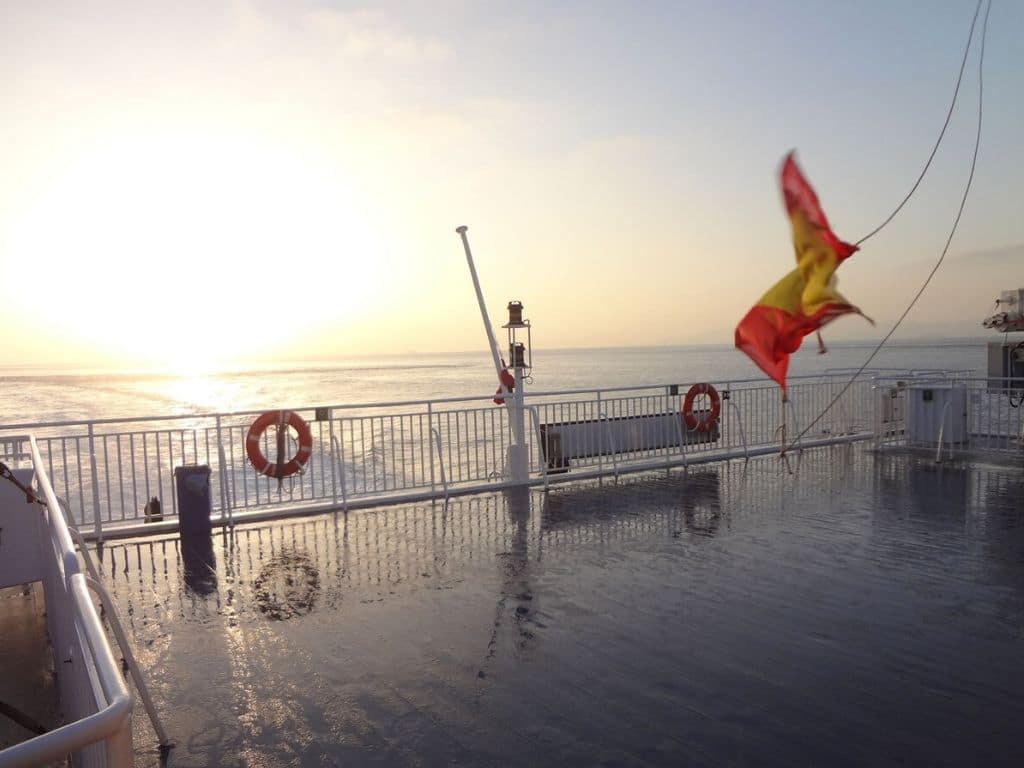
(334, 468)
(787, 399)
(611, 443)
(942, 431)
(739, 425)
(876, 412)
(541, 453)
(96, 515)
(226, 499)
(338, 446)
(430, 444)
(667, 409)
(221, 475)
(440, 454)
(682, 438)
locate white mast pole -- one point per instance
(516, 459)
(483, 307)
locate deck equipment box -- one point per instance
(934, 409)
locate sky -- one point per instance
(199, 183)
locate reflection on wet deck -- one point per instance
(866, 609)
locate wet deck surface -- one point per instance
(867, 610)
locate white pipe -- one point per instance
(483, 307)
(95, 583)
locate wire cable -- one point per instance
(942, 133)
(945, 250)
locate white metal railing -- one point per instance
(980, 414)
(94, 700)
(110, 468)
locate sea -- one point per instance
(46, 394)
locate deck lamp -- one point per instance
(519, 353)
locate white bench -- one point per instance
(562, 442)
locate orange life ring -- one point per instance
(708, 419)
(273, 468)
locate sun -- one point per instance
(195, 250)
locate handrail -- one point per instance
(58, 526)
(112, 723)
(900, 371)
(806, 378)
(105, 724)
(472, 437)
(95, 583)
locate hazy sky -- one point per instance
(195, 180)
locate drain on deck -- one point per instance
(288, 586)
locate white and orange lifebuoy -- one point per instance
(279, 468)
(709, 417)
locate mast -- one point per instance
(498, 367)
(517, 457)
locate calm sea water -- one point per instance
(49, 394)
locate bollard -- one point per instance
(192, 483)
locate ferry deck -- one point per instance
(646, 583)
(866, 608)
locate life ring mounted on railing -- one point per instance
(283, 420)
(707, 419)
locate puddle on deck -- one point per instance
(867, 609)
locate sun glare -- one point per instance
(191, 252)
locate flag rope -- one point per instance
(949, 240)
(942, 133)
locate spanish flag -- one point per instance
(805, 299)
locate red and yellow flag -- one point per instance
(805, 299)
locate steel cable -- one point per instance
(942, 133)
(949, 240)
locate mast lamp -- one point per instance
(520, 354)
